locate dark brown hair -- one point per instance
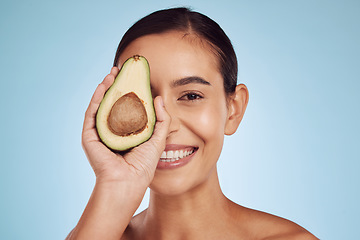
(183, 19)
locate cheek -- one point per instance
(210, 123)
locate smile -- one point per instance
(172, 156)
(175, 156)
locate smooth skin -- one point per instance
(185, 202)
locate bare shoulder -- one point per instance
(265, 226)
(132, 230)
(293, 236)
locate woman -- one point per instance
(193, 71)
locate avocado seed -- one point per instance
(127, 116)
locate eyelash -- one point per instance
(190, 96)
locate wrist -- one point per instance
(109, 210)
(131, 189)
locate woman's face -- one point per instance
(185, 73)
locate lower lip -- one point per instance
(175, 164)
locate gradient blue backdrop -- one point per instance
(296, 153)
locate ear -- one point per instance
(236, 108)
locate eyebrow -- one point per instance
(189, 80)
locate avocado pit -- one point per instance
(127, 115)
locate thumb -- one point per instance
(161, 130)
(148, 153)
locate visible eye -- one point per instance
(191, 96)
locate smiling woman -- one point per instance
(193, 72)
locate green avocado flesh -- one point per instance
(126, 115)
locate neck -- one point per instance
(188, 213)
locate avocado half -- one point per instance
(126, 115)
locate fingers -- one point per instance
(90, 139)
(109, 79)
(114, 71)
(89, 122)
(146, 156)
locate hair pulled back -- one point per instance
(183, 19)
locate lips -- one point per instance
(175, 156)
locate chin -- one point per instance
(172, 186)
(186, 178)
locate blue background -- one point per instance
(296, 153)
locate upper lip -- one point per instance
(174, 147)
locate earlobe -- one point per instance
(236, 109)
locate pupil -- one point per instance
(192, 96)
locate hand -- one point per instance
(136, 166)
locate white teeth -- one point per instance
(176, 154)
(171, 156)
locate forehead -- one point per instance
(169, 42)
(174, 54)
